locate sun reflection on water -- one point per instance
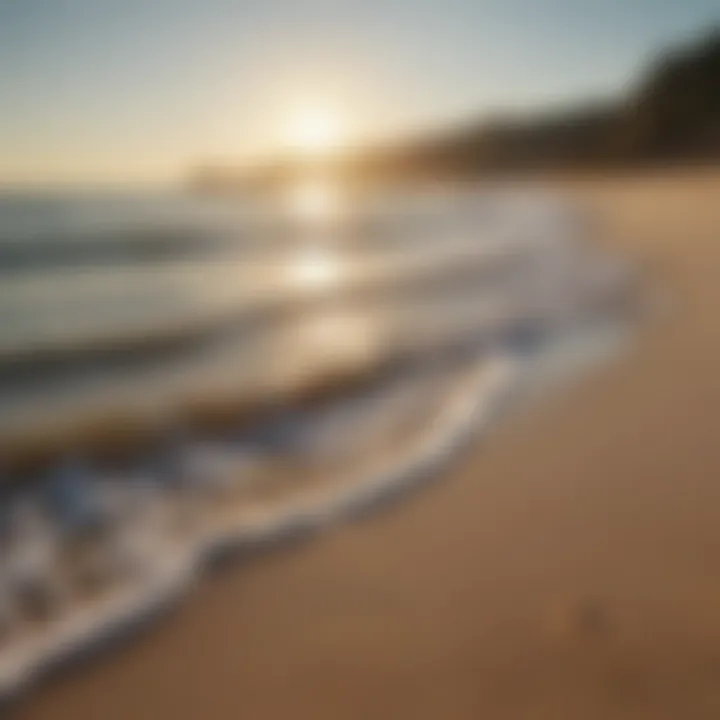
(315, 207)
(316, 268)
(315, 202)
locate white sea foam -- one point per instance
(169, 566)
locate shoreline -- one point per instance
(466, 411)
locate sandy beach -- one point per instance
(565, 568)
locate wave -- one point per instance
(128, 246)
(188, 498)
(157, 564)
(368, 285)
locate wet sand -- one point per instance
(567, 567)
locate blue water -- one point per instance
(128, 295)
(119, 300)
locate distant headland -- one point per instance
(671, 115)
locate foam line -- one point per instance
(173, 568)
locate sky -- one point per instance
(142, 90)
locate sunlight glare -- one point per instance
(315, 131)
(315, 269)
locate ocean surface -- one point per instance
(183, 375)
(121, 300)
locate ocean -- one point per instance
(181, 374)
(111, 300)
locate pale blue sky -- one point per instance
(141, 89)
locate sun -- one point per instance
(315, 130)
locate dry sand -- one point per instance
(568, 568)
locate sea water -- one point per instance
(333, 348)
